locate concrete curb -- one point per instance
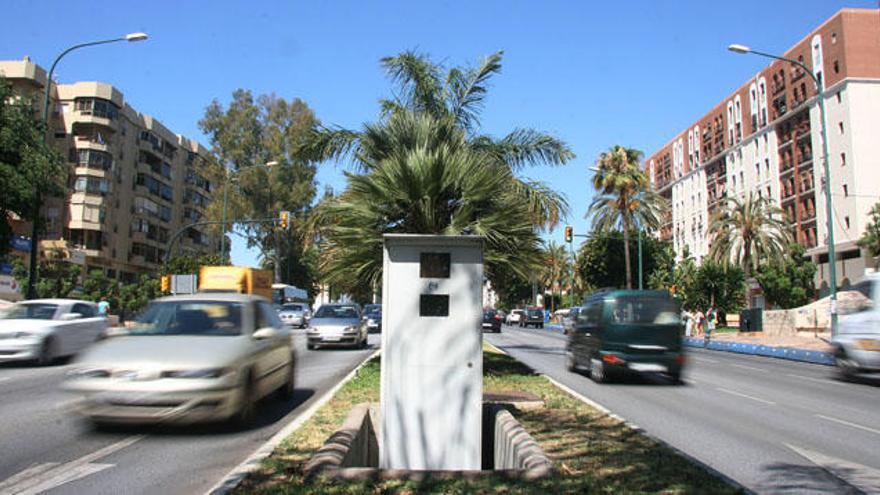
(253, 462)
(637, 428)
(802, 355)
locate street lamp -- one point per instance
(228, 180)
(832, 257)
(32, 269)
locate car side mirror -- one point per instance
(70, 316)
(265, 333)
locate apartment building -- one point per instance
(132, 182)
(765, 139)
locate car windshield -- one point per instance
(292, 307)
(645, 310)
(216, 318)
(31, 311)
(373, 310)
(337, 312)
(536, 313)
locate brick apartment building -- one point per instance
(765, 139)
(132, 182)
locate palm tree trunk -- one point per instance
(747, 272)
(626, 252)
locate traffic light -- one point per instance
(568, 233)
(165, 284)
(284, 220)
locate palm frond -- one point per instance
(526, 147)
(467, 89)
(418, 79)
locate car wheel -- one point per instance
(541, 325)
(597, 371)
(47, 352)
(845, 366)
(287, 390)
(248, 409)
(310, 347)
(676, 377)
(570, 361)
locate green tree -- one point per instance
(513, 290)
(714, 284)
(424, 168)
(871, 238)
(625, 200)
(27, 164)
(251, 132)
(788, 284)
(600, 257)
(58, 278)
(557, 270)
(191, 263)
(748, 233)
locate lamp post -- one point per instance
(832, 257)
(229, 176)
(32, 269)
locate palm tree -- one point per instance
(557, 268)
(748, 232)
(425, 168)
(625, 199)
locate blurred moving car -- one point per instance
(532, 317)
(373, 312)
(337, 325)
(491, 321)
(46, 329)
(515, 316)
(857, 344)
(569, 319)
(295, 314)
(627, 331)
(191, 358)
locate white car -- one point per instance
(857, 345)
(201, 357)
(515, 317)
(46, 329)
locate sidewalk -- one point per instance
(794, 348)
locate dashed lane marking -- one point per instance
(847, 423)
(745, 396)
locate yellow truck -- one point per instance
(240, 279)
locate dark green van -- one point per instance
(627, 331)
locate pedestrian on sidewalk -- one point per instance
(711, 321)
(700, 320)
(688, 319)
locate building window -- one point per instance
(846, 220)
(839, 98)
(833, 38)
(845, 191)
(840, 127)
(843, 159)
(836, 66)
(767, 166)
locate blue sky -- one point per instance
(594, 74)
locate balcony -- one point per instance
(91, 142)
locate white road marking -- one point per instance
(818, 380)
(47, 476)
(745, 396)
(865, 478)
(748, 367)
(847, 423)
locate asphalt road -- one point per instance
(46, 446)
(774, 426)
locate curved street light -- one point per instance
(32, 269)
(829, 210)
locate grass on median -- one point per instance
(591, 451)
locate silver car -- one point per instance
(294, 314)
(857, 345)
(200, 357)
(337, 325)
(42, 330)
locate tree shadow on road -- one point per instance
(800, 478)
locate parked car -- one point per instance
(627, 331)
(515, 316)
(43, 330)
(568, 320)
(337, 325)
(857, 344)
(295, 314)
(373, 312)
(191, 358)
(491, 321)
(532, 317)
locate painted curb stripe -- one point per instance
(791, 354)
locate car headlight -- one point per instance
(350, 330)
(196, 373)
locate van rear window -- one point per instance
(645, 310)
